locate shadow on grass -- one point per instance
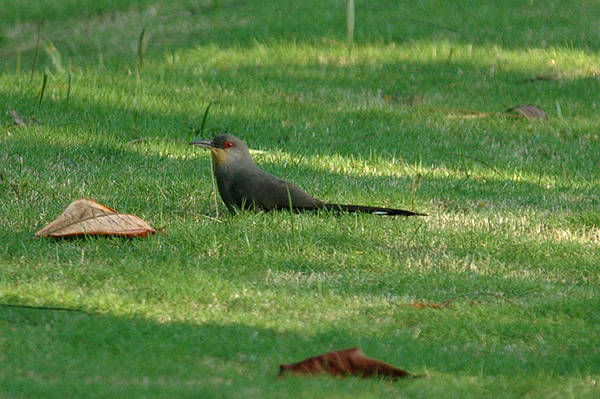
(237, 23)
(52, 350)
(49, 352)
(121, 354)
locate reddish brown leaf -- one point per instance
(86, 216)
(529, 111)
(345, 362)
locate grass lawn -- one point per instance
(211, 305)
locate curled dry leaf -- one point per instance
(345, 362)
(17, 118)
(86, 216)
(520, 111)
(529, 111)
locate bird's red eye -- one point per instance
(228, 144)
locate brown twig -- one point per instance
(447, 301)
(154, 138)
(539, 78)
(422, 305)
(474, 158)
(214, 187)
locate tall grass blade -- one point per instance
(37, 50)
(212, 166)
(141, 51)
(558, 110)
(68, 90)
(204, 117)
(54, 56)
(450, 54)
(350, 24)
(44, 83)
(413, 191)
(292, 218)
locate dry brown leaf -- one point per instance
(472, 114)
(86, 216)
(520, 111)
(529, 111)
(17, 118)
(345, 362)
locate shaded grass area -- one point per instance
(211, 308)
(513, 24)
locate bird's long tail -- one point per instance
(371, 209)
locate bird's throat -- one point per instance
(219, 157)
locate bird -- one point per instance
(244, 186)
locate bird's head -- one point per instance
(225, 148)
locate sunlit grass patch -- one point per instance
(494, 294)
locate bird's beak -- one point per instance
(218, 155)
(204, 143)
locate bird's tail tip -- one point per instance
(372, 210)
